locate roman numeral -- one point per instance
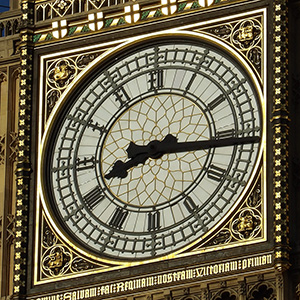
(118, 218)
(215, 173)
(225, 134)
(96, 126)
(190, 83)
(213, 104)
(189, 204)
(94, 197)
(156, 80)
(122, 96)
(153, 221)
(86, 163)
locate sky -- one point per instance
(4, 5)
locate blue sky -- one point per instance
(4, 3)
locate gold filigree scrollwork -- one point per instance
(246, 34)
(61, 73)
(224, 31)
(222, 237)
(49, 238)
(254, 200)
(83, 60)
(56, 260)
(52, 98)
(247, 224)
(79, 264)
(2, 149)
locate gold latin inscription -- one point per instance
(164, 278)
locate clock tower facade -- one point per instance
(149, 150)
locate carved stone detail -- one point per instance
(62, 6)
(264, 291)
(225, 295)
(13, 146)
(1, 225)
(2, 149)
(10, 228)
(3, 76)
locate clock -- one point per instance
(153, 148)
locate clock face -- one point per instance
(153, 150)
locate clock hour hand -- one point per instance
(138, 155)
(120, 168)
(169, 144)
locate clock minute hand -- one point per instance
(169, 144)
(156, 149)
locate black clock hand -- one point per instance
(156, 149)
(120, 168)
(169, 144)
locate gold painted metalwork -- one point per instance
(245, 33)
(61, 72)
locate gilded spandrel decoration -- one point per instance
(245, 225)
(57, 259)
(245, 36)
(61, 72)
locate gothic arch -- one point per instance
(227, 294)
(189, 297)
(262, 291)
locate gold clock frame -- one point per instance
(198, 31)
